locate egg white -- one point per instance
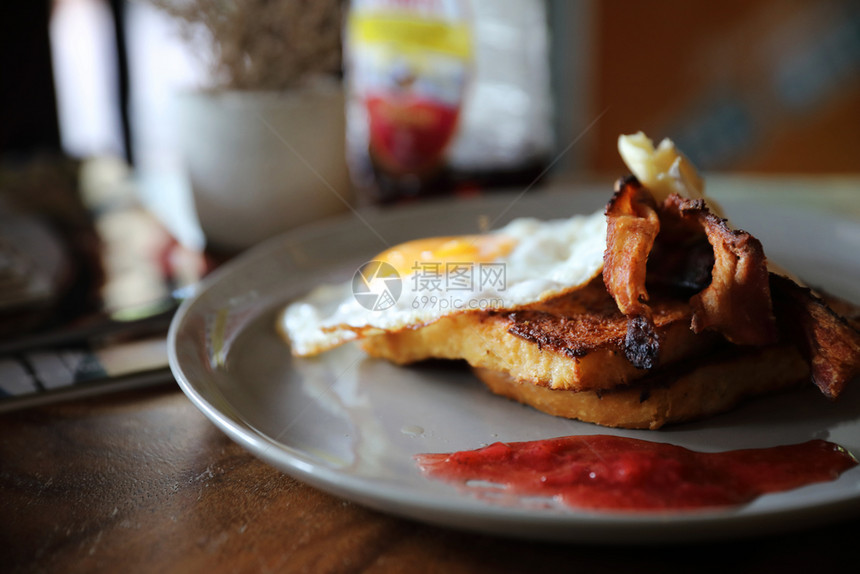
(548, 258)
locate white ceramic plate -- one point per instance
(351, 425)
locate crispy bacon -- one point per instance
(737, 302)
(632, 227)
(830, 342)
(685, 246)
(682, 257)
(730, 274)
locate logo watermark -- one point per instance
(378, 286)
(430, 276)
(457, 303)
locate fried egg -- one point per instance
(418, 282)
(528, 261)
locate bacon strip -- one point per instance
(737, 302)
(632, 227)
(830, 343)
(733, 295)
(682, 258)
(686, 246)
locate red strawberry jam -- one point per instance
(602, 472)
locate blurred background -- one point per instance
(144, 141)
(754, 85)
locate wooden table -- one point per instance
(141, 481)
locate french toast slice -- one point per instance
(687, 391)
(572, 342)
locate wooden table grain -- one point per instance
(140, 481)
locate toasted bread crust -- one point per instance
(587, 320)
(573, 342)
(676, 395)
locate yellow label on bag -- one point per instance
(406, 33)
(410, 63)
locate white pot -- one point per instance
(260, 163)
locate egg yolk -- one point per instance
(407, 257)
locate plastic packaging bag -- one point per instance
(446, 96)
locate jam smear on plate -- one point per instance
(603, 472)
